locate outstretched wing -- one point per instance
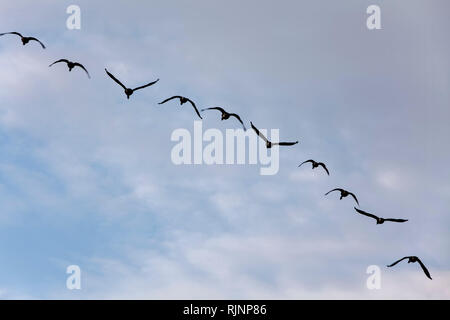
(354, 197)
(60, 60)
(259, 133)
(396, 220)
(284, 143)
(115, 79)
(310, 160)
(2, 34)
(34, 39)
(215, 108)
(195, 108)
(147, 85)
(337, 189)
(393, 264)
(324, 166)
(239, 119)
(366, 213)
(425, 270)
(168, 99)
(82, 67)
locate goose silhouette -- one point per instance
(344, 193)
(183, 100)
(316, 164)
(413, 259)
(378, 219)
(269, 144)
(72, 65)
(129, 91)
(226, 115)
(25, 40)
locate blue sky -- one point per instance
(86, 176)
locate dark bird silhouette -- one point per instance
(316, 164)
(183, 100)
(268, 143)
(344, 193)
(25, 40)
(412, 259)
(226, 115)
(72, 65)
(378, 219)
(129, 91)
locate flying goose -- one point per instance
(268, 143)
(226, 115)
(344, 193)
(72, 65)
(412, 259)
(316, 164)
(183, 100)
(25, 40)
(378, 219)
(129, 91)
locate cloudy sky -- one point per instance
(86, 176)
